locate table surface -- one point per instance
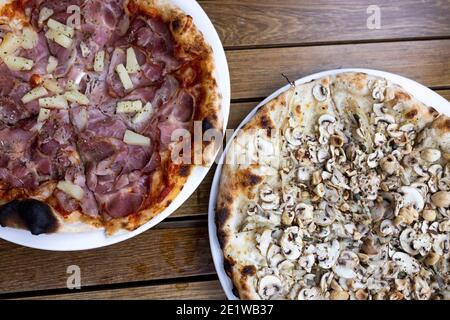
(262, 39)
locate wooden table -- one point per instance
(262, 38)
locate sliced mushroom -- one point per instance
(441, 199)
(412, 197)
(422, 243)
(305, 212)
(303, 174)
(346, 264)
(269, 286)
(326, 119)
(306, 262)
(389, 164)
(324, 217)
(267, 194)
(430, 155)
(327, 254)
(406, 241)
(320, 92)
(291, 243)
(387, 228)
(406, 263)
(264, 241)
(308, 294)
(293, 136)
(379, 139)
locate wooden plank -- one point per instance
(427, 62)
(274, 22)
(172, 250)
(203, 290)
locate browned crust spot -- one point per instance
(248, 270)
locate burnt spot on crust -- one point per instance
(266, 122)
(443, 124)
(411, 114)
(248, 271)
(248, 179)
(185, 170)
(30, 214)
(401, 95)
(228, 264)
(433, 112)
(222, 215)
(208, 122)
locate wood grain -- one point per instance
(257, 73)
(172, 250)
(210, 290)
(275, 22)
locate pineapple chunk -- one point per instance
(61, 28)
(52, 64)
(55, 102)
(10, 43)
(99, 61)
(18, 63)
(132, 63)
(129, 106)
(59, 38)
(76, 96)
(34, 94)
(44, 14)
(44, 114)
(135, 139)
(124, 77)
(29, 38)
(71, 189)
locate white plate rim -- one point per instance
(97, 238)
(421, 93)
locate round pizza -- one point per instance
(338, 189)
(92, 94)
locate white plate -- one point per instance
(419, 91)
(96, 238)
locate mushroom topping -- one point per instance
(441, 199)
(432, 259)
(324, 217)
(320, 92)
(264, 241)
(305, 212)
(346, 264)
(422, 290)
(389, 164)
(269, 286)
(266, 194)
(308, 294)
(306, 262)
(291, 243)
(429, 215)
(327, 254)
(293, 136)
(320, 190)
(374, 158)
(387, 228)
(412, 197)
(303, 174)
(378, 92)
(406, 263)
(326, 120)
(379, 139)
(406, 241)
(430, 155)
(422, 243)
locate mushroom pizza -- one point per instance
(338, 189)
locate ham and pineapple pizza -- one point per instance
(338, 189)
(91, 93)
